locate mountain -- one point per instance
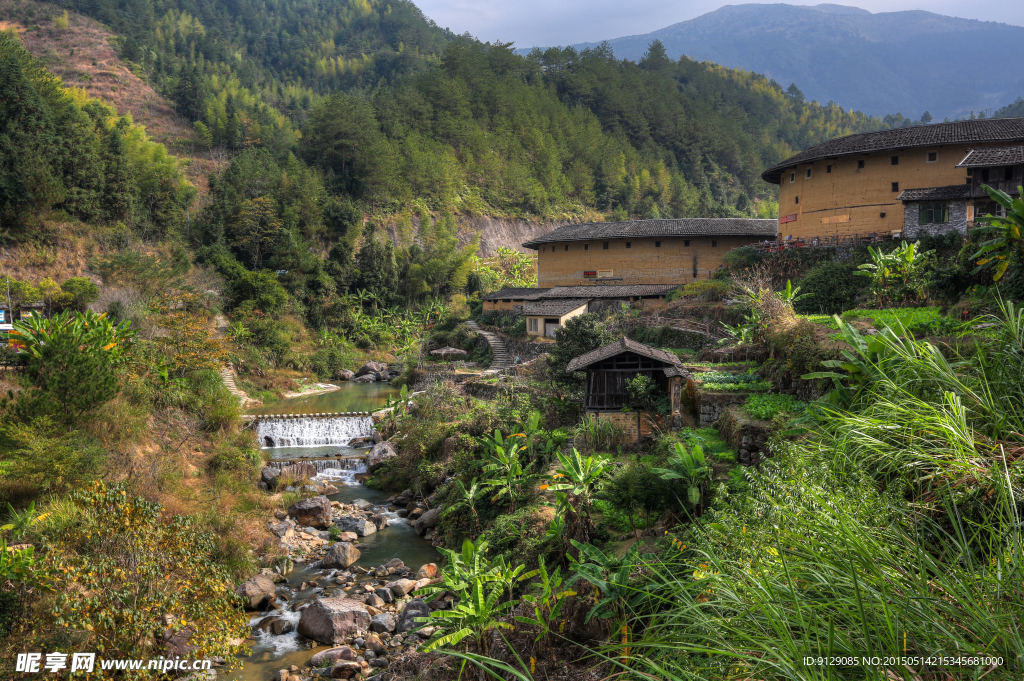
(907, 62)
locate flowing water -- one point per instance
(338, 431)
(271, 653)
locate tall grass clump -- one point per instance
(890, 535)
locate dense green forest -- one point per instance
(394, 111)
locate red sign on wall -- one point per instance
(787, 218)
(590, 275)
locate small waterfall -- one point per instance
(312, 431)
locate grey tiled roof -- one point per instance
(953, 192)
(626, 345)
(595, 231)
(516, 294)
(994, 156)
(608, 291)
(553, 308)
(957, 132)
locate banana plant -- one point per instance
(577, 478)
(690, 467)
(16, 566)
(467, 499)
(610, 576)
(1006, 244)
(474, 616)
(21, 521)
(504, 471)
(546, 606)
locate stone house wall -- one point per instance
(912, 229)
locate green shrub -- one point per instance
(832, 287)
(764, 407)
(718, 381)
(704, 290)
(638, 494)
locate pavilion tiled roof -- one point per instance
(627, 345)
(956, 132)
(993, 156)
(608, 291)
(596, 231)
(553, 308)
(953, 192)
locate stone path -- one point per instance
(499, 353)
(228, 377)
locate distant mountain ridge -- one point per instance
(907, 62)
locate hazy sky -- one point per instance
(562, 22)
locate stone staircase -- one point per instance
(500, 359)
(228, 377)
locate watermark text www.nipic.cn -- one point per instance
(86, 662)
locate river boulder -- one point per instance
(332, 620)
(332, 655)
(341, 555)
(382, 452)
(384, 622)
(257, 592)
(401, 587)
(361, 526)
(427, 520)
(269, 475)
(428, 571)
(412, 610)
(313, 512)
(343, 375)
(368, 378)
(371, 367)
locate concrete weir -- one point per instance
(312, 430)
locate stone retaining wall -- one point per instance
(747, 436)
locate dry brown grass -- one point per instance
(95, 67)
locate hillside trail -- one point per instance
(499, 352)
(227, 374)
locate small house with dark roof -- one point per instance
(935, 210)
(854, 185)
(1000, 168)
(642, 252)
(544, 317)
(508, 298)
(610, 369)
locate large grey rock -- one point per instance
(314, 512)
(362, 504)
(379, 521)
(257, 592)
(385, 594)
(361, 526)
(365, 379)
(427, 520)
(384, 622)
(332, 620)
(333, 655)
(341, 555)
(344, 375)
(284, 529)
(371, 367)
(380, 453)
(269, 475)
(402, 587)
(407, 620)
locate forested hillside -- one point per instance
(394, 111)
